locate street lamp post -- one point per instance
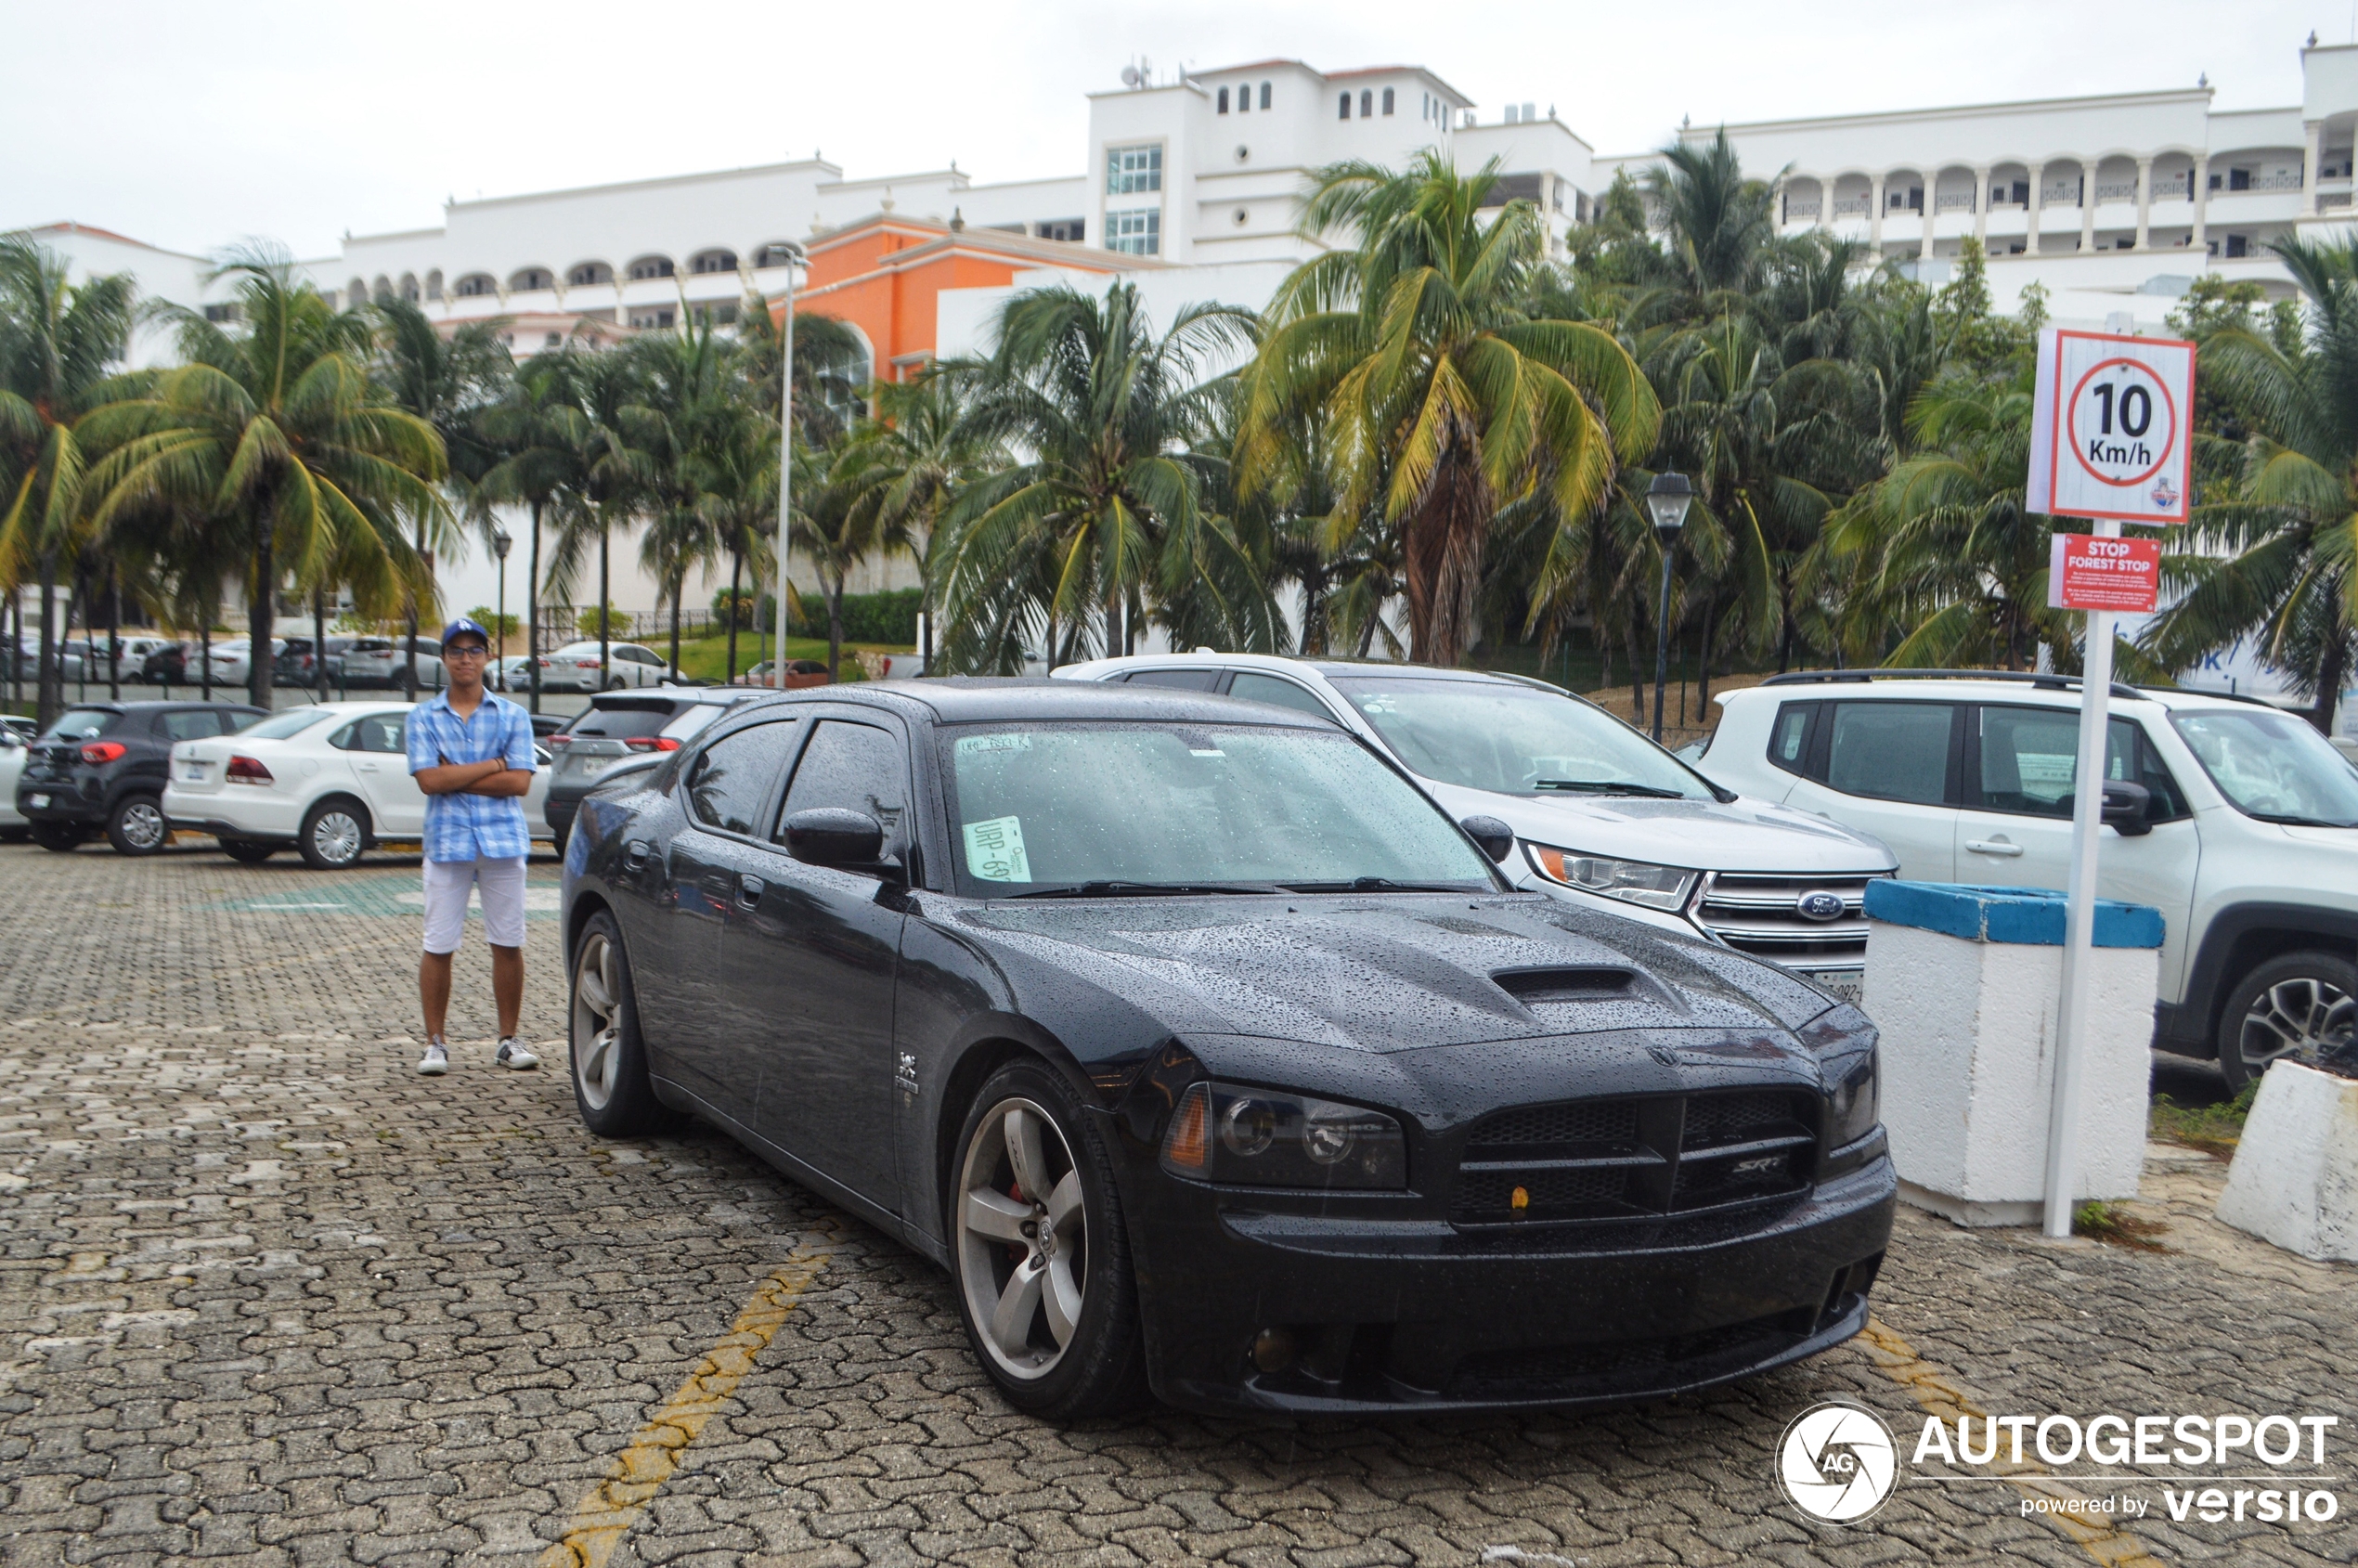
(795, 256)
(500, 540)
(1667, 497)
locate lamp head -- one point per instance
(500, 540)
(1668, 499)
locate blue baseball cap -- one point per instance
(462, 627)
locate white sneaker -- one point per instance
(436, 1061)
(514, 1052)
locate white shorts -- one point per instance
(502, 883)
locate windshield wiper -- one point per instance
(1382, 885)
(1610, 787)
(1118, 889)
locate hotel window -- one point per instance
(1068, 229)
(1367, 103)
(1137, 232)
(1133, 169)
(1244, 96)
(1345, 107)
(1387, 100)
(1223, 100)
(1264, 95)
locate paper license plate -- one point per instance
(38, 802)
(1848, 984)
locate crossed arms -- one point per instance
(493, 778)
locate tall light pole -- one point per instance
(795, 256)
(1667, 497)
(500, 540)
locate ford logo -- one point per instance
(1820, 906)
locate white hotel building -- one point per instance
(1189, 186)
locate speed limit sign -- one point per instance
(2112, 427)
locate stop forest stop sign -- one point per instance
(2112, 429)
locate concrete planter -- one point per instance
(2295, 1178)
(1964, 982)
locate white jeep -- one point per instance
(2234, 819)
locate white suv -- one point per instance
(2237, 820)
(1605, 818)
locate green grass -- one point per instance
(2213, 1129)
(2116, 1226)
(708, 657)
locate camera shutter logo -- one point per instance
(1838, 1462)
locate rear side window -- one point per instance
(1254, 687)
(194, 725)
(734, 775)
(1890, 751)
(380, 732)
(1789, 737)
(83, 724)
(1184, 680)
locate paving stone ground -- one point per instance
(266, 1296)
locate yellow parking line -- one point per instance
(611, 1507)
(2109, 1544)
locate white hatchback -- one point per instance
(328, 781)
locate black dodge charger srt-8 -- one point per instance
(1208, 1054)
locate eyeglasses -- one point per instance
(468, 652)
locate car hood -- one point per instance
(1746, 833)
(1393, 972)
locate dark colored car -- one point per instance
(298, 665)
(102, 768)
(1210, 1055)
(168, 666)
(616, 727)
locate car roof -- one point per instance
(2051, 691)
(967, 699)
(1389, 668)
(162, 705)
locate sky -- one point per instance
(196, 127)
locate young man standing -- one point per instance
(472, 754)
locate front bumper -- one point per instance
(1418, 1315)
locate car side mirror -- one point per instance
(835, 836)
(1497, 840)
(2127, 807)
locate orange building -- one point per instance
(885, 274)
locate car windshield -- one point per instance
(1514, 739)
(1132, 808)
(2272, 766)
(278, 726)
(81, 724)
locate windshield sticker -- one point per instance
(995, 848)
(976, 745)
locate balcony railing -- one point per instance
(1961, 201)
(2332, 201)
(1852, 206)
(2259, 182)
(1796, 211)
(2059, 196)
(2117, 191)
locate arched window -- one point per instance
(353, 293)
(1345, 106)
(1223, 100)
(474, 285)
(533, 278)
(433, 284)
(382, 289)
(713, 261)
(650, 267)
(1264, 95)
(590, 272)
(1387, 100)
(410, 287)
(1366, 102)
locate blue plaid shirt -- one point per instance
(472, 827)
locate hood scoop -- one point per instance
(1537, 988)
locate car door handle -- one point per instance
(635, 853)
(749, 890)
(366, 767)
(1992, 847)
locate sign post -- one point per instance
(2112, 439)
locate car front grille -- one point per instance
(1631, 1158)
(1761, 913)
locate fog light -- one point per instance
(1272, 1349)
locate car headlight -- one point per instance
(1637, 882)
(1258, 1137)
(1854, 1104)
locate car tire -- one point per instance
(334, 834)
(2290, 1009)
(614, 683)
(136, 827)
(602, 1043)
(1044, 1285)
(248, 852)
(58, 837)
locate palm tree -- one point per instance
(840, 521)
(280, 435)
(60, 347)
(691, 405)
(1445, 400)
(925, 452)
(1106, 512)
(450, 384)
(2279, 559)
(606, 478)
(536, 466)
(740, 506)
(1719, 231)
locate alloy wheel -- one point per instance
(597, 1064)
(1023, 1233)
(337, 837)
(142, 825)
(2298, 1018)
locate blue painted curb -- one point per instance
(2020, 916)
